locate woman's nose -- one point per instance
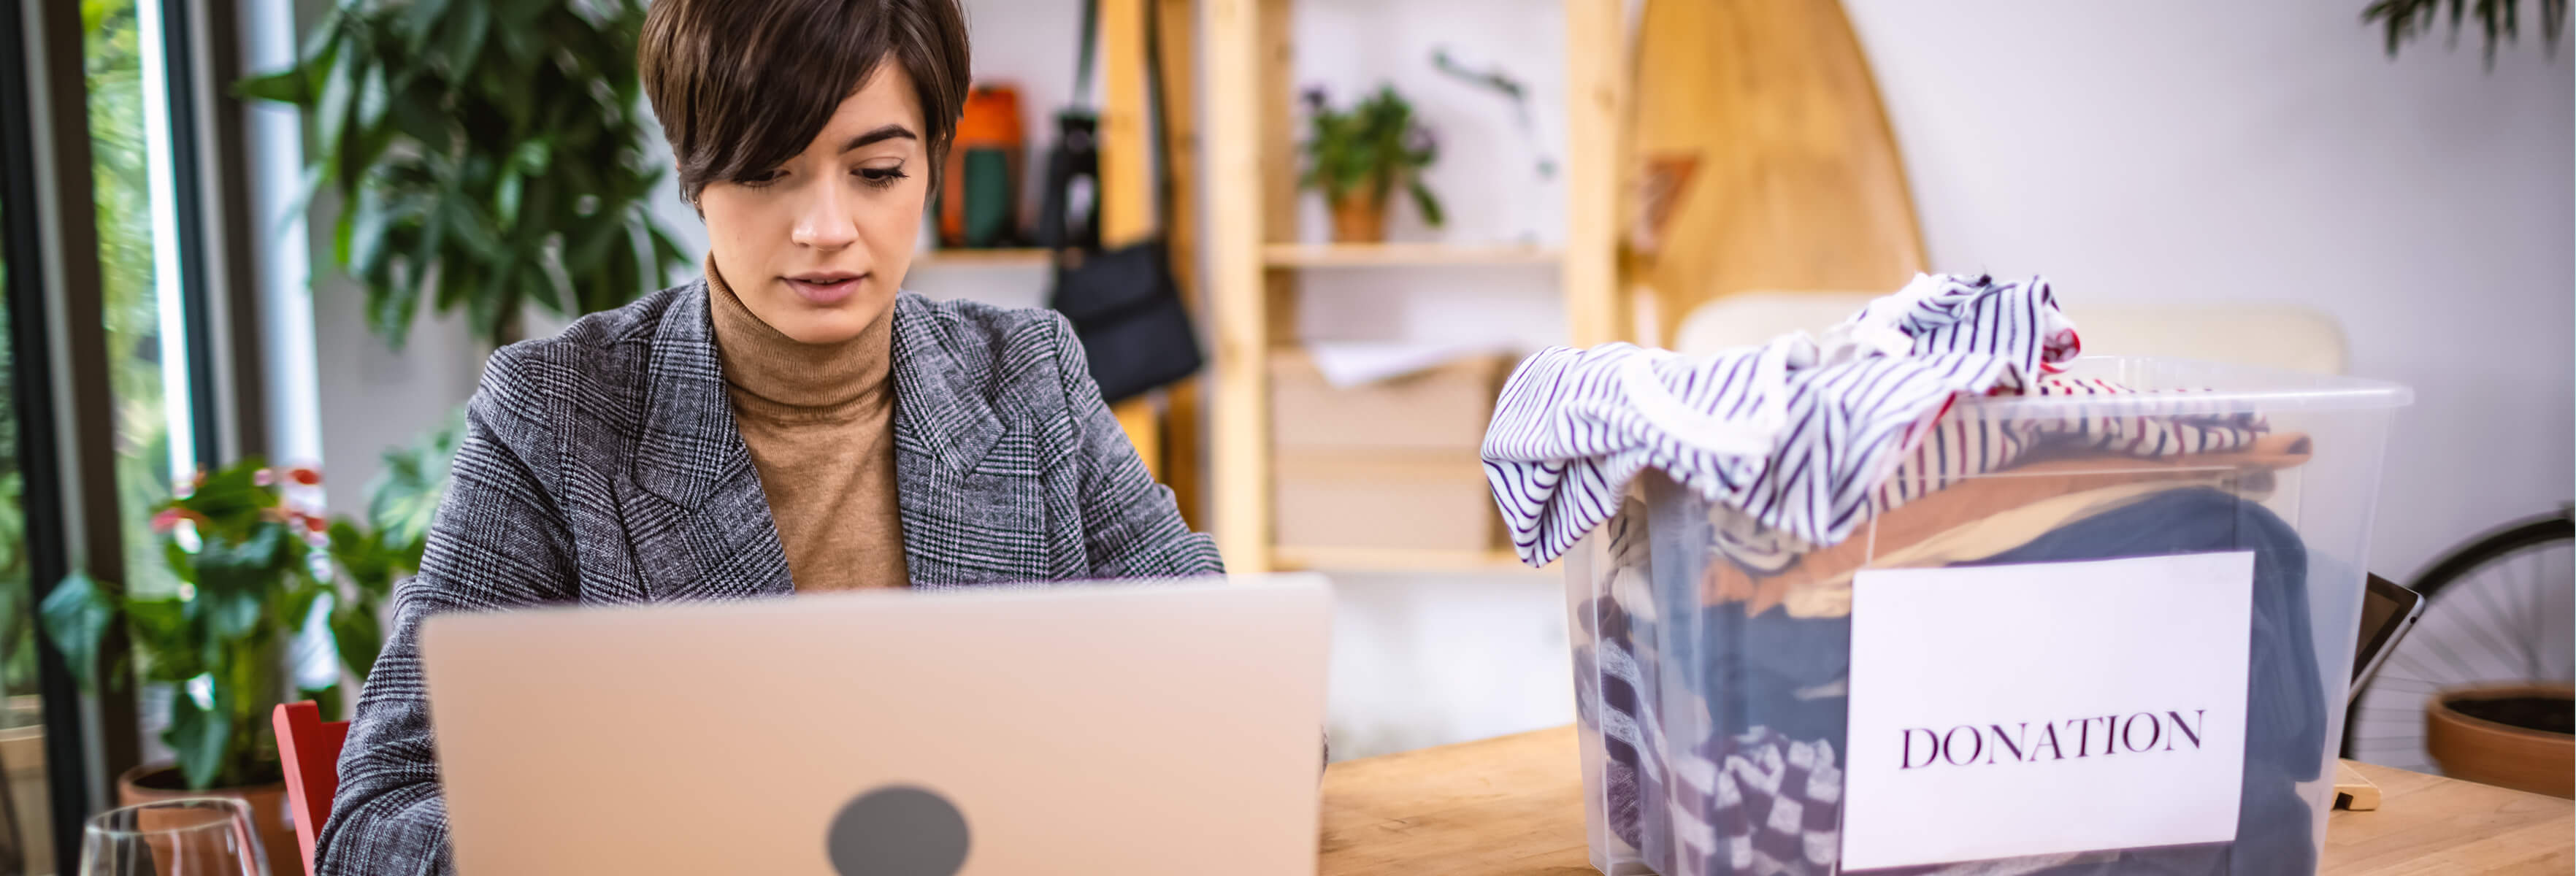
(826, 222)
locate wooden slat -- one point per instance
(1184, 419)
(1596, 90)
(2352, 790)
(1379, 255)
(1241, 426)
(1126, 174)
(1126, 181)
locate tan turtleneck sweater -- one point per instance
(819, 419)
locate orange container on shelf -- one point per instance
(980, 190)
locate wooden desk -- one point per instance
(1513, 807)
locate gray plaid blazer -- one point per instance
(602, 467)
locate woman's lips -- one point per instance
(822, 292)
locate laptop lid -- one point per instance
(1134, 729)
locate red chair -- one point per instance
(309, 748)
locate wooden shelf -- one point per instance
(1287, 557)
(1032, 257)
(1255, 277)
(1385, 255)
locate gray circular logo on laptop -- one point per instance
(898, 830)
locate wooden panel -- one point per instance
(1184, 419)
(2352, 791)
(1240, 424)
(1513, 806)
(1126, 182)
(1596, 87)
(1126, 176)
(1278, 134)
(1762, 158)
(1379, 255)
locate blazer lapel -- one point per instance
(969, 481)
(700, 526)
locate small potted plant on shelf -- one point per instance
(251, 567)
(1359, 157)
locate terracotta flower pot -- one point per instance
(270, 817)
(2513, 736)
(1358, 218)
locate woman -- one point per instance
(789, 423)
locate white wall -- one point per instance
(368, 397)
(2151, 150)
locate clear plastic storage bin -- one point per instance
(1710, 657)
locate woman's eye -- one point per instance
(881, 176)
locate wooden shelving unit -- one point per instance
(1390, 255)
(1255, 261)
(1030, 257)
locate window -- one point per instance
(147, 353)
(25, 833)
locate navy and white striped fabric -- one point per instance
(1957, 448)
(1797, 434)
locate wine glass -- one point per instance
(197, 836)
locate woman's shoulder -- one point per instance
(603, 356)
(977, 339)
(626, 331)
(972, 326)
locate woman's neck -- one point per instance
(772, 374)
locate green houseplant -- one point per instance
(488, 153)
(251, 567)
(243, 560)
(1357, 158)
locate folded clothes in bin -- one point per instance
(1717, 509)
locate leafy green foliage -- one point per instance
(1369, 150)
(78, 614)
(489, 153)
(2500, 19)
(246, 560)
(400, 505)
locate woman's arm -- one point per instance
(499, 541)
(1132, 528)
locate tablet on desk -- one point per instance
(2387, 612)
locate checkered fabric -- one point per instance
(1758, 804)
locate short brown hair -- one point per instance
(742, 85)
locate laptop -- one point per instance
(1087, 728)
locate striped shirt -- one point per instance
(1797, 434)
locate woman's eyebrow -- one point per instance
(883, 132)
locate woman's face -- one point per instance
(818, 246)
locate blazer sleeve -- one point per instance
(1131, 526)
(498, 541)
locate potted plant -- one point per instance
(2519, 736)
(487, 155)
(1359, 157)
(251, 567)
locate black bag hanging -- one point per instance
(1124, 303)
